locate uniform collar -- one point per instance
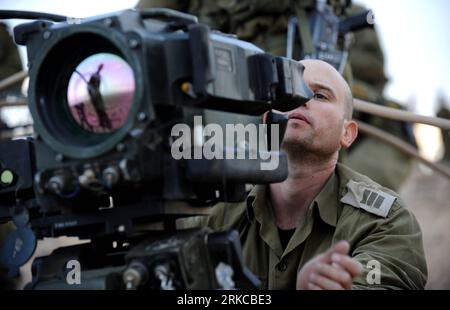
(256, 198)
(326, 201)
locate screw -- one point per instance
(59, 158)
(141, 116)
(111, 175)
(121, 147)
(47, 35)
(108, 22)
(55, 187)
(133, 43)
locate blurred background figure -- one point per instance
(381, 162)
(9, 56)
(264, 23)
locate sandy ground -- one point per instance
(427, 194)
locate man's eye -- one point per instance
(319, 96)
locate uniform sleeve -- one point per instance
(213, 219)
(222, 216)
(391, 251)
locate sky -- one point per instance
(414, 35)
(415, 38)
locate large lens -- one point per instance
(100, 93)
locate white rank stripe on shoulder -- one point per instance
(372, 200)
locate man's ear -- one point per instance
(350, 133)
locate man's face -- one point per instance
(318, 127)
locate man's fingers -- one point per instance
(331, 270)
(336, 265)
(324, 283)
(342, 247)
(336, 274)
(349, 264)
(313, 287)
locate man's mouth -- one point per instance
(298, 116)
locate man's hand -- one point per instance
(332, 270)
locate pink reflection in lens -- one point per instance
(100, 93)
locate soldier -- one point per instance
(290, 236)
(380, 161)
(290, 231)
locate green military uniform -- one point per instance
(383, 163)
(261, 22)
(9, 56)
(350, 207)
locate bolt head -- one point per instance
(133, 43)
(121, 147)
(108, 22)
(141, 116)
(46, 35)
(59, 157)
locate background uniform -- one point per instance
(381, 162)
(264, 23)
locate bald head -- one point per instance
(321, 73)
(322, 126)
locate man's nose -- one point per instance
(307, 104)
(304, 106)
